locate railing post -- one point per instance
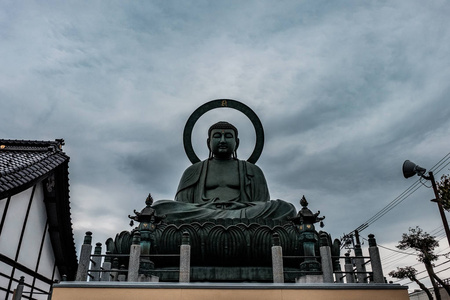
(135, 255)
(96, 262)
(339, 276)
(325, 255)
(122, 275)
(115, 269)
(349, 275)
(185, 258)
(85, 258)
(19, 290)
(277, 260)
(106, 266)
(375, 260)
(49, 297)
(360, 266)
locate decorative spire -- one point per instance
(149, 200)
(147, 214)
(303, 201)
(306, 216)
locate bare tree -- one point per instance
(410, 273)
(424, 244)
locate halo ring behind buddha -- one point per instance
(219, 103)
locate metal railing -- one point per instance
(105, 267)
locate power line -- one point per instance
(428, 276)
(441, 164)
(397, 256)
(390, 249)
(436, 272)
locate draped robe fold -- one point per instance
(253, 202)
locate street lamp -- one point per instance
(410, 169)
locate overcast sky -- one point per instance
(345, 90)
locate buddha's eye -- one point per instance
(217, 135)
(228, 135)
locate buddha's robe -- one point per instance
(253, 201)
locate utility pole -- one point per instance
(410, 169)
(439, 203)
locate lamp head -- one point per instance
(410, 169)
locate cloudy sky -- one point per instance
(346, 91)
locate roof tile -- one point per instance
(23, 161)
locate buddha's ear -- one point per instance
(207, 143)
(237, 144)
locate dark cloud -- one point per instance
(155, 169)
(346, 92)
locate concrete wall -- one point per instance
(421, 295)
(69, 291)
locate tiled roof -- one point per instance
(22, 162)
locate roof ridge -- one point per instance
(18, 155)
(31, 143)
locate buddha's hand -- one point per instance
(216, 203)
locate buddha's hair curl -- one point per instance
(223, 125)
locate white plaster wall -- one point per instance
(42, 285)
(57, 275)
(5, 269)
(2, 207)
(31, 242)
(12, 227)
(47, 259)
(29, 280)
(34, 230)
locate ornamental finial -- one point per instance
(149, 200)
(303, 201)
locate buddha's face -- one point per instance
(223, 142)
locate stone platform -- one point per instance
(225, 291)
(228, 250)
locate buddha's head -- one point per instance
(223, 140)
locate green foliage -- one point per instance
(443, 188)
(424, 244)
(406, 272)
(420, 241)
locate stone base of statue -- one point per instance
(227, 250)
(227, 274)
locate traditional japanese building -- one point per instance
(36, 238)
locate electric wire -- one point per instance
(390, 249)
(437, 272)
(438, 232)
(396, 256)
(403, 196)
(439, 166)
(421, 264)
